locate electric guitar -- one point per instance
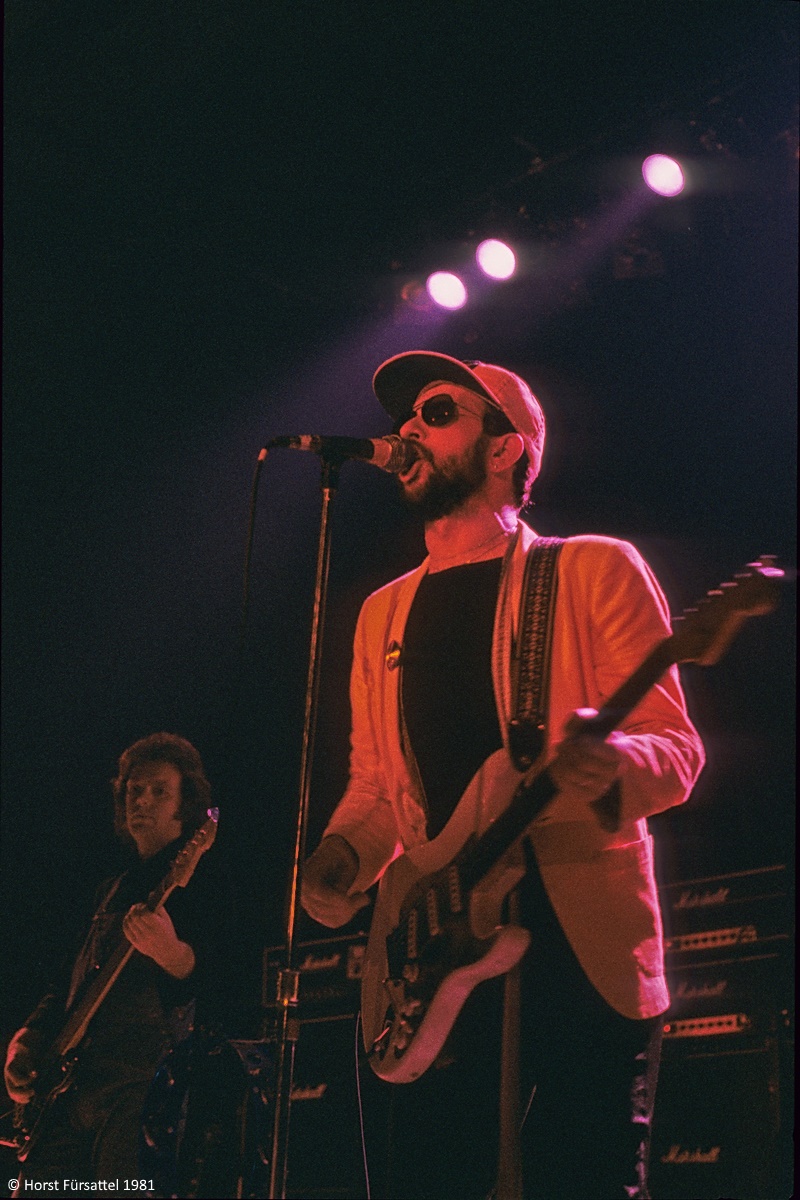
(429, 943)
(58, 1067)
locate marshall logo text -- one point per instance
(695, 899)
(681, 1157)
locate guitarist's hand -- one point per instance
(583, 762)
(153, 934)
(20, 1069)
(327, 875)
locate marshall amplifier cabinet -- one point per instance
(722, 1124)
(728, 911)
(330, 976)
(339, 1115)
(728, 955)
(325, 1155)
(723, 1106)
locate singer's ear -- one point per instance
(506, 450)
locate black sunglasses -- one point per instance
(441, 410)
(437, 412)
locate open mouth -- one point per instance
(413, 470)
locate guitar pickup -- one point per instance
(432, 907)
(454, 889)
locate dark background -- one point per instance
(211, 213)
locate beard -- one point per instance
(449, 484)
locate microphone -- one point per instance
(390, 453)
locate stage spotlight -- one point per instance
(496, 259)
(663, 175)
(446, 290)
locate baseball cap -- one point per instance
(399, 380)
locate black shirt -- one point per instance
(447, 693)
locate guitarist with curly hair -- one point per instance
(80, 1068)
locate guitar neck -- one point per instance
(537, 788)
(82, 1013)
(635, 688)
(530, 799)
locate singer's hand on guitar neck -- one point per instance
(585, 763)
(327, 876)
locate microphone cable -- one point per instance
(361, 1107)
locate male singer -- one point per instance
(431, 692)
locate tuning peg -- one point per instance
(766, 565)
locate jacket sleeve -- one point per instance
(206, 916)
(365, 817)
(627, 617)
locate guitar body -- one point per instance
(30, 1119)
(431, 942)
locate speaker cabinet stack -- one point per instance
(325, 1159)
(723, 1115)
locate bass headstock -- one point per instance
(201, 840)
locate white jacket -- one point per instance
(610, 612)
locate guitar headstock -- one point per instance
(703, 634)
(185, 862)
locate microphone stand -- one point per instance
(288, 1024)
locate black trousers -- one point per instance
(588, 1078)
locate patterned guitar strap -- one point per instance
(526, 736)
(531, 667)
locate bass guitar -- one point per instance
(58, 1067)
(424, 956)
